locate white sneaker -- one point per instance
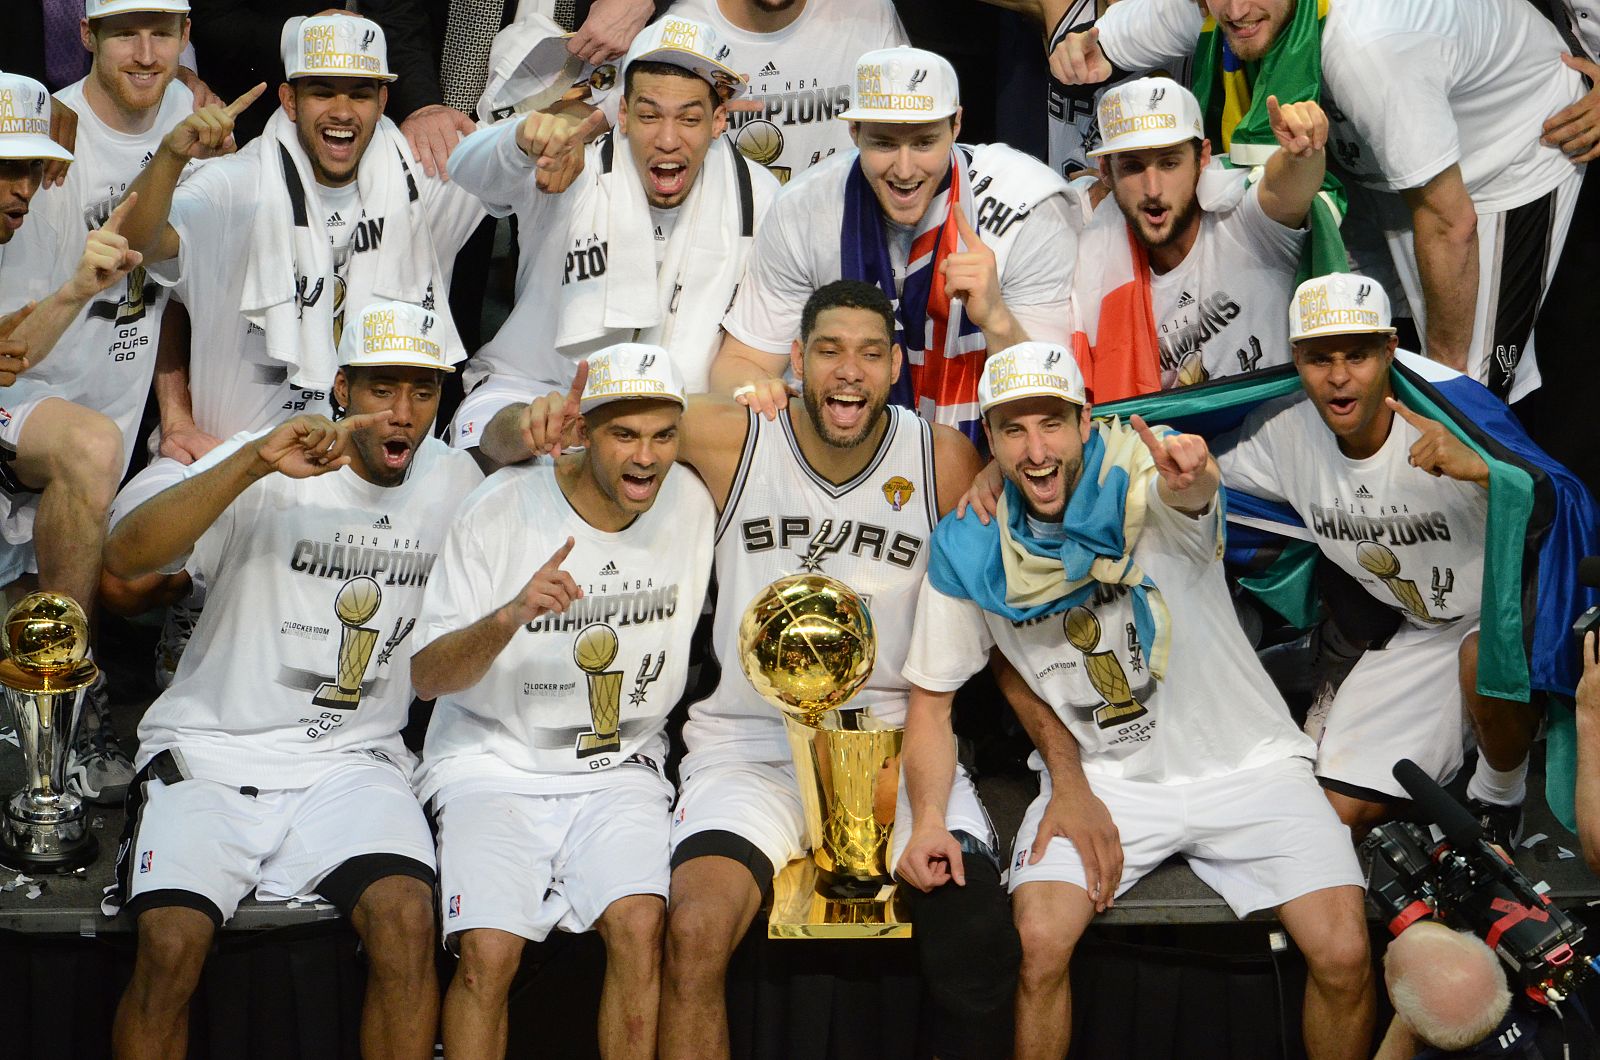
(176, 629)
(98, 770)
(1317, 713)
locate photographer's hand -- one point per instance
(1586, 794)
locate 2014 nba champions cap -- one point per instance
(25, 121)
(631, 371)
(1147, 112)
(393, 333)
(903, 85)
(1339, 303)
(335, 46)
(1030, 369)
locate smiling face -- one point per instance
(19, 182)
(670, 121)
(1347, 378)
(383, 454)
(1038, 443)
(1155, 190)
(135, 58)
(845, 369)
(630, 447)
(904, 164)
(1251, 25)
(335, 118)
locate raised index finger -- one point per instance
(969, 235)
(558, 557)
(1151, 440)
(580, 379)
(237, 107)
(114, 222)
(1274, 111)
(1416, 420)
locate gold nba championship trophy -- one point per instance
(594, 649)
(44, 676)
(1381, 562)
(355, 605)
(807, 645)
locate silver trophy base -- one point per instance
(45, 834)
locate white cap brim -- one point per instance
(893, 117)
(1028, 392)
(167, 7)
(32, 145)
(396, 360)
(588, 405)
(1154, 143)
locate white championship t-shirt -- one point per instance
(302, 654)
(1413, 541)
(801, 77)
(106, 358)
(233, 384)
(797, 249)
(615, 662)
(1215, 712)
(1222, 310)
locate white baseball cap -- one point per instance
(25, 120)
(93, 9)
(1339, 304)
(691, 44)
(393, 333)
(631, 371)
(1030, 369)
(1148, 112)
(530, 69)
(903, 84)
(335, 46)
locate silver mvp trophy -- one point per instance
(43, 678)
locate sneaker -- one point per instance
(1502, 825)
(1317, 713)
(176, 629)
(98, 770)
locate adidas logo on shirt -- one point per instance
(769, 70)
(609, 568)
(382, 523)
(335, 221)
(1363, 493)
(1185, 299)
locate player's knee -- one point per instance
(94, 463)
(701, 937)
(1338, 956)
(398, 932)
(171, 954)
(633, 926)
(489, 960)
(1047, 945)
(967, 942)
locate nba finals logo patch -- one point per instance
(897, 491)
(145, 860)
(455, 907)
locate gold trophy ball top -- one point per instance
(594, 647)
(1377, 560)
(47, 645)
(1082, 629)
(760, 141)
(807, 645)
(357, 601)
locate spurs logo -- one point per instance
(1362, 292)
(647, 673)
(1248, 359)
(367, 38)
(395, 638)
(1444, 585)
(1156, 97)
(825, 543)
(917, 77)
(646, 361)
(722, 53)
(1051, 359)
(427, 323)
(306, 295)
(39, 104)
(1507, 357)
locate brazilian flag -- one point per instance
(1541, 522)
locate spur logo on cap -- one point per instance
(335, 46)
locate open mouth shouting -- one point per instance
(845, 410)
(396, 453)
(339, 143)
(1043, 485)
(1155, 213)
(638, 486)
(669, 178)
(13, 217)
(1342, 407)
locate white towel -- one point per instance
(695, 284)
(289, 279)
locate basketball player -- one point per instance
(556, 636)
(664, 204)
(274, 762)
(1218, 255)
(799, 57)
(1180, 733)
(843, 485)
(104, 361)
(1400, 504)
(972, 244)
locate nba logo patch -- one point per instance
(455, 907)
(1022, 856)
(145, 860)
(677, 818)
(5, 417)
(466, 429)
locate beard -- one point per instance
(1180, 223)
(814, 402)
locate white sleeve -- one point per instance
(461, 590)
(213, 218)
(1267, 238)
(1037, 286)
(1193, 538)
(777, 281)
(1411, 142)
(452, 211)
(949, 641)
(1245, 458)
(490, 165)
(1149, 34)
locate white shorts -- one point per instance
(529, 864)
(161, 473)
(214, 841)
(760, 803)
(1259, 837)
(1400, 701)
(19, 510)
(479, 407)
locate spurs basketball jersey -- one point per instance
(783, 518)
(573, 695)
(303, 650)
